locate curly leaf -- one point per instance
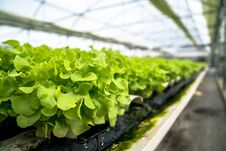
(80, 76)
(66, 101)
(88, 102)
(13, 43)
(25, 121)
(77, 126)
(49, 112)
(20, 63)
(21, 105)
(60, 129)
(47, 96)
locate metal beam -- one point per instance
(32, 24)
(208, 3)
(81, 14)
(166, 10)
(183, 46)
(193, 21)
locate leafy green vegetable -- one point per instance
(147, 75)
(66, 91)
(47, 96)
(60, 129)
(25, 121)
(67, 101)
(22, 105)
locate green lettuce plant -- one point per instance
(65, 91)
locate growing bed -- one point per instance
(157, 128)
(69, 99)
(151, 131)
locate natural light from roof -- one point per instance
(135, 21)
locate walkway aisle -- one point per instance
(202, 125)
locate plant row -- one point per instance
(65, 91)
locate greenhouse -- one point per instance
(137, 75)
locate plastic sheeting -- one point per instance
(135, 21)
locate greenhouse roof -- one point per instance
(136, 24)
(210, 8)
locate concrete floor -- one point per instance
(202, 125)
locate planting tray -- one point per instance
(159, 100)
(102, 136)
(99, 138)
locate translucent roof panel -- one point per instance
(134, 21)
